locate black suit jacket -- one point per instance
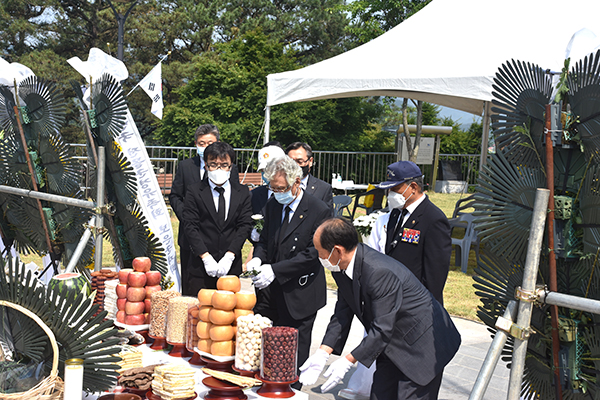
(429, 260)
(402, 319)
(320, 189)
(294, 258)
(259, 198)
(206, 234)
(188, 173)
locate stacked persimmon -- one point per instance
(134, 292)
(218, 312)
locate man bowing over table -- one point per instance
(409, 334)
(285, 255)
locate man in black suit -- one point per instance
(190, 171)
(415, 231)
(285, 255)
(409, 334)
(217, 215)
(302, 154)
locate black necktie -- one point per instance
(394, 226)
(221, 209)
(284, 223)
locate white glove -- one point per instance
(225, 264)
(265, 277)
(254, 235)
(210, 265)
(337, 370)
(254, 264)
(312, 367)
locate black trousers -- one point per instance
(390, 383)
(272, 304)
(184, 259)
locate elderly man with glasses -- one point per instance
(285, 256)
(217, 221)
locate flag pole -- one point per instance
(138, 84)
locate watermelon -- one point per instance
(70, 281)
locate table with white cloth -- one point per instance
(151, 357)
(348, 185)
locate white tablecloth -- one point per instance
(151, 357)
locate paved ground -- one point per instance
(459, 375)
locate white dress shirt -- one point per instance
(226, 193)
(293, 206)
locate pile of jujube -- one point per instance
(134, 291)
(279, 354)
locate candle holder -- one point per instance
(221, 390)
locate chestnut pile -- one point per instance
(279, 354)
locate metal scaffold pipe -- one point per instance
(48, 197)
(536, 234)
(99, 216)
(493, 355)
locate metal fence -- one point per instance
(359, 167)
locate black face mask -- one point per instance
(305, 170)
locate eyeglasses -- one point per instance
(302, 162)
(214, 166)
(279, 189)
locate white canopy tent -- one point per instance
(447, 54)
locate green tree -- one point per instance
(314, 29)
(19, 27)
(371, 18)
(461, 142)
(229, 89)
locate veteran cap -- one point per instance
(400, 172)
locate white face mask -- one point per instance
(218, 177)
(327, 264)
(397, 200)
(200, 151)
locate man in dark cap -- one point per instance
(415, 231)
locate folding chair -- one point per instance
(341, 203)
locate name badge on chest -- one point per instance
(411, 236)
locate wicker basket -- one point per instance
(51, 387)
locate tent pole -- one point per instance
(267, 123)
(485, 135)
(436, 161)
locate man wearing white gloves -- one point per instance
(409, 334)
(285, 256)
(217, 221)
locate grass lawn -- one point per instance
(459, 294)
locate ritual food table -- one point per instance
(151, 357)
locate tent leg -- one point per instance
(267, 124)
(436, 161)
(485, 135)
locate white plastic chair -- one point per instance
(463, 246)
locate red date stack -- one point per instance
(279, 354)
